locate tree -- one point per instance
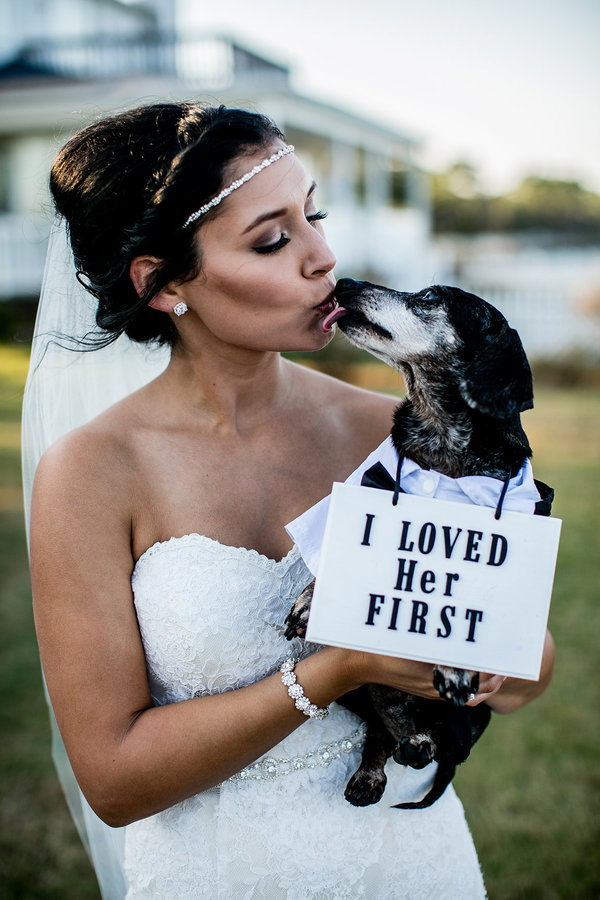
(541, 204)
(458, 203)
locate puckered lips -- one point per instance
(331, 312)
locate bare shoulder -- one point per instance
(90, 468)
(99, 445)
(347, 396)
(361, 415)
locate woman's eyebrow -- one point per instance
(275, 213)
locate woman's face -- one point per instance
(266, 280)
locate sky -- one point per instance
(510, 86)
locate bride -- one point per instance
(162, 571)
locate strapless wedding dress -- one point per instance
(211, 619)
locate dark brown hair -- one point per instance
(126, 185)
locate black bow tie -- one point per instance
(379, 477)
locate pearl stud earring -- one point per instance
(180, 309)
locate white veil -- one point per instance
(66, 387)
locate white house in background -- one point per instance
(66, 62)
(549, 293)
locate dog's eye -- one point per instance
(429, 296)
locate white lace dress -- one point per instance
(211, 620)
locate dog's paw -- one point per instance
(297, 619)
(455, 685)
(416, 751)
(365, 787)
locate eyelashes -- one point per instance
(272, 248)
(283, 240)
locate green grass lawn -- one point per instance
(530, 788)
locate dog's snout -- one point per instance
(346, 289)
(345, 284)
(351, 294)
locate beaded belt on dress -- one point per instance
(268, 768)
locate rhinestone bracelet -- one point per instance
(301, 701)
(269, 768)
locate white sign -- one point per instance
(435, 581)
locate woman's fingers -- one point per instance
(488, 686)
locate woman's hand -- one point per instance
(502, 694)
(403, 674)
(511, 694)
(488, 686)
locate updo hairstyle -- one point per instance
(126, 185)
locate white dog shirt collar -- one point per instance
(307, 531)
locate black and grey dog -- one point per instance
(468, 380)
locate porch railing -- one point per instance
(211, 62)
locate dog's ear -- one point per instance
(498, 379)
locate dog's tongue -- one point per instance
(330, 319)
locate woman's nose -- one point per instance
(320, 258)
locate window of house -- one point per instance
(4, 175)
(398, 186)
(360, 176)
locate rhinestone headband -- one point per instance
(289, 148)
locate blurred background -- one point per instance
(455, 143)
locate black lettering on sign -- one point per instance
(445, 611)
(375, 603)
(427, 536)
(428, 578)
(405, 578)
(472, 545)
(474, 616)
(394, 620)
(417, 620)
(450, 577)
(404, 545)
(450, 544)
(498, 550)
(367, 534)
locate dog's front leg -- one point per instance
(455, 685)
(297, 619)
(368, 783)
(413, 745)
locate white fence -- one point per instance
(549, 293)
(395, 249)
